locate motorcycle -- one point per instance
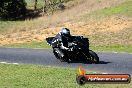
(78, 50)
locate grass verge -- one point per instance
(33, 44)
(124, 9)
(36, 76)
(111, 48)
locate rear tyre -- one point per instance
(93, 57)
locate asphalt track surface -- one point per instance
(109, 62)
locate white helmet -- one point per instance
(65, 32)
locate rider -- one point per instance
(62, 39)
(60, 43)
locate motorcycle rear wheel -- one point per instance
(91, 57)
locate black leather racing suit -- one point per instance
(60, 43)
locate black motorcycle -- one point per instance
(78, 50)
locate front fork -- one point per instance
(59, 52)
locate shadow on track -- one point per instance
(104, 62)
(88, 62)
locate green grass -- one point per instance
(124, 9)
(4, 25)
(37, 76)
(33, 44)
(110, 48)
(113, 48)
(14, 26)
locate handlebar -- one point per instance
(73, 46)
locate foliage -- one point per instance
(52, 5)
(12, 9)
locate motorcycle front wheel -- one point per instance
(62, 59)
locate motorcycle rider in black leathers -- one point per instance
(60, 42)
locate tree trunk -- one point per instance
(44, 7)
(35, 5)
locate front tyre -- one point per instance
(93, 57)
(56, 54)
(62, 59)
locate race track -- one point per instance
(109, 62)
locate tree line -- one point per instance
(15, 9)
